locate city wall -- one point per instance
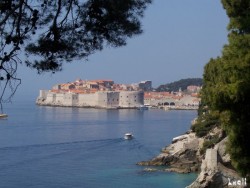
(100, 99)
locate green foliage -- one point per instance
(238, 12)
(205, 122)
(209, 143)
(226, 87)
(183, 83)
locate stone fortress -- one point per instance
(96, 94)
(110, 95)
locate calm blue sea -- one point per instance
(53, 147)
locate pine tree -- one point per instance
(227, 84)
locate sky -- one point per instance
(179, 38)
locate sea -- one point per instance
(64, 147)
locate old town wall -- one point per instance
(100, 99)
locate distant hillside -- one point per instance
(183, 83)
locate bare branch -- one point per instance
(56, 32)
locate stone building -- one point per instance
(99, 99)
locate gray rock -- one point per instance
(183, 156)
(213, 172)
(180, 156)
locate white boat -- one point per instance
(3, 116)
(128, 136)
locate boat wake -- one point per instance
(29, 154)
(67, 151)
(60, 144)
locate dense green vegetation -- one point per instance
(226, 87)
(183, 83)
(209, 143)
(206, 122)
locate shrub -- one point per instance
(205, 123)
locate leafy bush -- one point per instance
(209, 143)
(205, 123)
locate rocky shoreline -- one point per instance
(185, 155)
(179, 156)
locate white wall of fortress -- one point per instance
(130, 99)
(101, 99)
(70, 99)
(108, 99)
(50, 98)
(43, 93)
(87, 99)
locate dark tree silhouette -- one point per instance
(226, 87)
(52, 32)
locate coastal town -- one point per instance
(111, 95)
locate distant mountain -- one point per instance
(183, 83)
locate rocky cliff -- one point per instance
(216, 169)
(180, 156)
(187, 154)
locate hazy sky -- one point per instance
(179, 38)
